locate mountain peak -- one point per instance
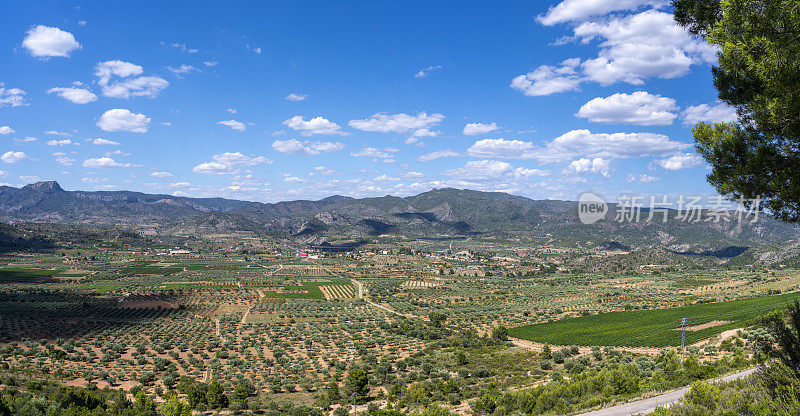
(44, 186)
(336, 198)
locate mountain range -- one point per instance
(439, 213)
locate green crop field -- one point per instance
(650, 328)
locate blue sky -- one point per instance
(271, 101)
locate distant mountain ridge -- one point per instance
(439, 213)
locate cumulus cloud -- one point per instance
(149, 86)
(161, 174)
(233, 124)
(597, 165)
(546, 79)
(501, 148)
(212, 168)
(74, 95)
(718, 113)
(13, 157)
(640, 46)
(11, 97)
(120, 119)
(59, 142)
(6, 130)
(680, 161)
(397, 123)
(316, 125)
(437, 155)
(63, 159)
(296, 147)
(104, 162)
(238, 159)
(375, 153)
(474, 129)
(578, 144)
(493, 170)
(105, 70)
(104, 142)
(296, 97)
(640, 107)
(228, 163)
(579, 10)
(45, 41)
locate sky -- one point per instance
(269, 101)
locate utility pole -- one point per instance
(683, 323)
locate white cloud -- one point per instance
(233, 124)
(27, 139)
(104, 162)
(643, 178)
(493, 170)
(424, 72)
(104, 142)
(62, 158)
(375, 153)
(316, 125)
(210, 63)
(474, 129)
(57, 133)
(322, 170)
(640, 107)
(579, 10)
(296, 97)
(437, 155)
(296, 147)
(718, 113)
(11, 97)
(680, 161)
(226, 163)
(75, 95)
(397, 123)
(583, 143)
(546, 79)
(597, 165)
(94, 180)
(579, 143)
(59, 142)
(640, 46)
(232, 110)
(212, 168)
(182, 70)
(29, 178)
(238, 159)
(13, 157)
(45, 41)
(425, 133)
(501, 148)
(6, 130)
(161, 174)
(148, 87)
(119, 119)
(181, 46)
(105, 70)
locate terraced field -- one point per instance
(651, 328)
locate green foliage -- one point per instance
(356, 383)
(759, 60)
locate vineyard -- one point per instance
(651, 328)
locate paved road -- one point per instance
(649, 405)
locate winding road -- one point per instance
(649, 405)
